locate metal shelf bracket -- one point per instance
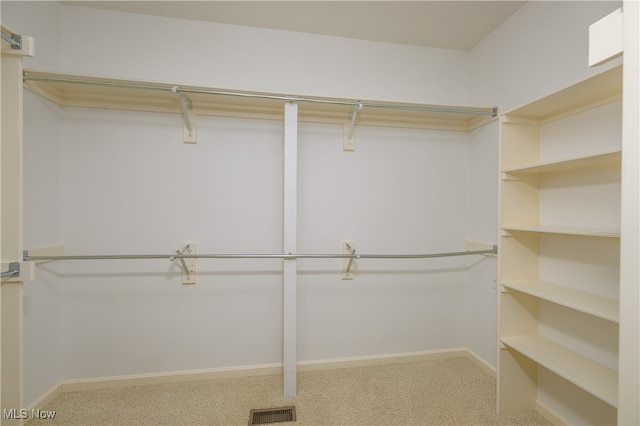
(347, 262)
(188, 264)
(349, 143)
(190, 118)
(13, 271)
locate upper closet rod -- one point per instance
(15, 40)
(125, 84)
(289, 256)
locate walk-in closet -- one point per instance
(199, 196)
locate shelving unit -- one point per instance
(560, 161)
(99, 92)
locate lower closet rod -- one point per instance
(289, 256)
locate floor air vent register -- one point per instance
(272, 415)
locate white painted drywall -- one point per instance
(137, 46)
(130, 185)
(481, 312)
(400, 191)
(541, 48)
(41, 228)
(40, 20)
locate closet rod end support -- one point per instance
(347, 262)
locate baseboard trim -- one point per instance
(550, 414)
(46, 398)
(484, 365)
(169, 377)
(256, 370)
(367, 361)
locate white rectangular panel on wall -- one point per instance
(605, 38)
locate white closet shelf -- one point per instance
(582, 301)
(610, 158)
(565, 230)
(595, 91)
(594, 377)
(98, 92)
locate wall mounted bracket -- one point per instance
(188, 264)
(15, 40)
(12, 271)
(347, 262)
(349, 143)
(190, 117)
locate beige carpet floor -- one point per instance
(439, 392)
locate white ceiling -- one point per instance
(440, 24)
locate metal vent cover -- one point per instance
(272, 415)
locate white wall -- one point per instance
(41, 229)
(481, 296)
(40, 20)
(152, 48)
(131, 186)
(543, 47)
(401, 191)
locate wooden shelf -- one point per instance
(595, 378)
(594, 91)
(603, 159)
(582, 301)
(586, 232)
(560, 164)
(97, 92)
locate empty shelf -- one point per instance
(566, 230)
(595, 378)
(603, 159)
(589, 303)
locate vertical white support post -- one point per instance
(629, 367)
(290, 243)
(11, 390)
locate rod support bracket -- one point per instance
(347, 262)
(12, 271)
(17, 44)
(189, 116)
(188, 264)
(349, 143)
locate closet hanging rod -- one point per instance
(289, 256)
(15, 40)
(13, 271)
(287, 98)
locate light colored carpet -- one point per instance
(440, 392)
